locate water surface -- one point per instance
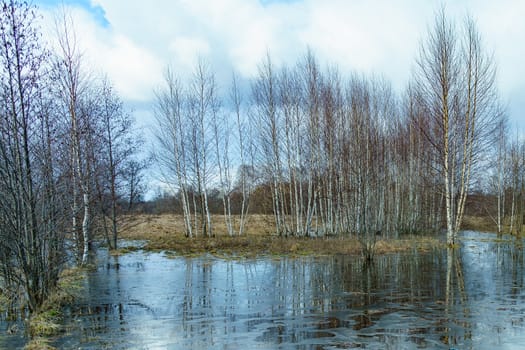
(473, 298)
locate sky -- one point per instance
(134, 41)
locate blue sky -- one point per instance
(134, 41)
(96, 11)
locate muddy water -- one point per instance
(471, 299)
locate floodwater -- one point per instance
(473, 298)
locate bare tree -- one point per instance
(499, 179)
(173, 144)
(245, 151)
(455, 80)
(134, 181)
(266, 113)
(516, 169)
(31, 239)
(221, 126)
(119, 144)
(203, 104)
(73, 85)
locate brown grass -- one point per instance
(39, 344)
(46, 322)
(486, 224)
(136, 226)
(165, 233)
(477, 223)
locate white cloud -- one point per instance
(187, 50)
(134, 70)
(236, 34)
(379, 36)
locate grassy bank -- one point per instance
(165, 233)
(47, 321)
(486, 224)
(477, 223)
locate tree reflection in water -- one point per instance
(464, 298)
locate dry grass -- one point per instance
(477, 223)
(46, 322)
(142, 226)
(486, 224)
(165, 233)
(4, 302)
(39, 344)
(69, 288)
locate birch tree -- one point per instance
(245, 151)
(72, 86)
(455, 80)
(516, 169)
(172, 143)
(268, 119)
(203, 104)
(499, 179)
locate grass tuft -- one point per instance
(45, 323)
(4, 302)
(124, 250)
(39, 344)
(68, 289)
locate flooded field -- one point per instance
(473, 298)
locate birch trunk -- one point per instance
(85, 228)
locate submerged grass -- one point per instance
(4, 302)
(124, 250)
(164, 233)
(39, 343)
